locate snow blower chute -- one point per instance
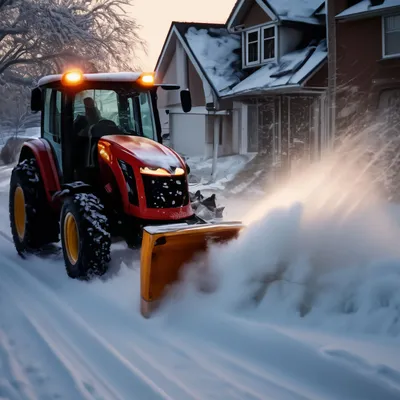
(104, 175)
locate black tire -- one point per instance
(94, 240)
(41, 225)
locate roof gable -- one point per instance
(212, 49)
(242, 7)
(295, 10)
(278, 10)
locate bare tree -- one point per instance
(47, 35)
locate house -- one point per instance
(258, 82)
(206, 59)
(368, 60)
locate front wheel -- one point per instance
(85, 236)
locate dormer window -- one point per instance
(253, 47)
(260, 45)
(268, 44)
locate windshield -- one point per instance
(131, 112)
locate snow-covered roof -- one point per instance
(217, 51)
(365, 8)
(295, 10)
(284, 10)
(292, 69)
(103, 77)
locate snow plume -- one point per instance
(322, 249)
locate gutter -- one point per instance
(265, 91)
(367, 14)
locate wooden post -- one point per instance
(331, 41)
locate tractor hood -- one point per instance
(146, 151)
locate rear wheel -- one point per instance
(33, 223)
(85, 236)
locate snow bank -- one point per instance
(227, 169)
(323, 250)
(217, 51)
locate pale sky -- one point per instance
(155, 17)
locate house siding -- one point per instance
(319, 79)
(168, 98)
(195, 86)
(255, 16)
(362, 74)
(289, 39)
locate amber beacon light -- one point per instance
(72, 78)
(147, 78)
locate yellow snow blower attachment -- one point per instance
(166, 249)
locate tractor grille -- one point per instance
(165, 191)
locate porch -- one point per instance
(289, 130)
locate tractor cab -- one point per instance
(79, 109)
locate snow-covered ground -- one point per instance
(29, 133)
(227, 169)
(306, 306)
(33, 132)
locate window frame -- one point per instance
(384, 55)
(263, 28)
(250, 63)
(260, 29)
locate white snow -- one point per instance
(214, 49)
(289, 69)
(29, 133)
(298, 10)
(227, 169)
(323, 246)
(365, 6)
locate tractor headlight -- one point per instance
(160, 171)
(130, 180)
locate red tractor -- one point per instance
(100, 172)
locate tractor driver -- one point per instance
(81, 127)
(92, 116)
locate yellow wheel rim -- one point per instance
(71, 238)
(19, 212)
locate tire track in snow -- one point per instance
(37, 362)
(275, 353)
(253, 381)
(88, 348)
(164, 372)
(14, 384)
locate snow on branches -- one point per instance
(43, 36)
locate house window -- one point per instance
(268, 45)
(260, 45)
(253, 47)
(391, 36)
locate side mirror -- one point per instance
(186, 100)
(36, 100)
